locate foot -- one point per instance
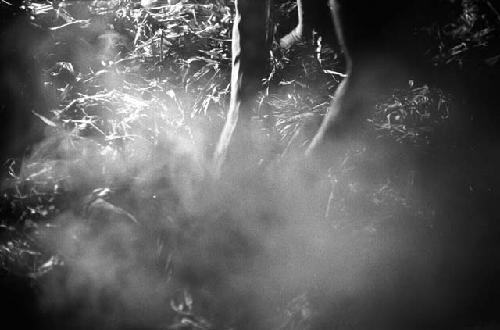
(296, 36)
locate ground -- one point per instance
(110, 216)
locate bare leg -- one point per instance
(372, 66)
(312, 15)
(343, 99)
(250, 53)
(345, 116)
(302, 30)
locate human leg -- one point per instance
(250, 52)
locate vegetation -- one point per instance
(110, 217)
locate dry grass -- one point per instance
(139, 97)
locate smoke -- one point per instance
(150, 239)
(168, 243)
